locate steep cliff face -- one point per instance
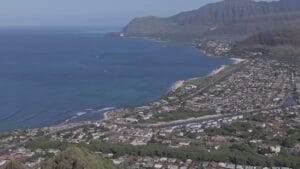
(228, 17)
(149, 25)
(287, 5)
(225, 12)
(162, 28)
(246, 27)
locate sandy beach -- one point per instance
(180, 83)
(218, 70)
(105, 116)
(177, 85)
(237, 60)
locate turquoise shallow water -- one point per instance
(48, 76)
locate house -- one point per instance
(158, 166)
(116, 161)
(163, 159)
(184, 143)
(172, 160)
(131, 120)
(138, 142)
(54, 151)
(149, 165)
(173, 167)
(275, 149)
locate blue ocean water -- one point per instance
(48, 76)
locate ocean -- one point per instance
(48, 76)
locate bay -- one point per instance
(50, 75)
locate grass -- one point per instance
(202, 82)
(46, 143)
(72, 156)
(180, 114)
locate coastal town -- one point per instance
(88, 84)
(252, 102)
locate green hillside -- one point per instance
(13, 164)
(77, 158)
(281, 43)
(282, 37)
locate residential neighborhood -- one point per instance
(246, 103)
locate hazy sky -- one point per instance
(88, 12)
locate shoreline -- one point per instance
(217, 71)
(237, 60)
(222, 67)
(177, 85)
(111, 110)
(180, 83)
(108, 114)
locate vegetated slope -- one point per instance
(71, 158)
(246, 27)
(13, 164)
(283, 37)
(236, 18)
(229, 11)
(282, 44)
(77, 158)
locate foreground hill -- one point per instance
(234, 19)
(13, 164)
(76, 158)
(71, 158)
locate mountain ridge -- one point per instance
(217, 17)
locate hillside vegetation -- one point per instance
(283, 37)
(282, 44)
(71, 158)
(78, 158)
(13, 164)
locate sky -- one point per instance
(88, 12)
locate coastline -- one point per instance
(108, 114)
(218, 70)
(181, 83)
(222, 67)
(111, 112)
(177, 85)
(237, 60)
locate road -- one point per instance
(203, 120)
